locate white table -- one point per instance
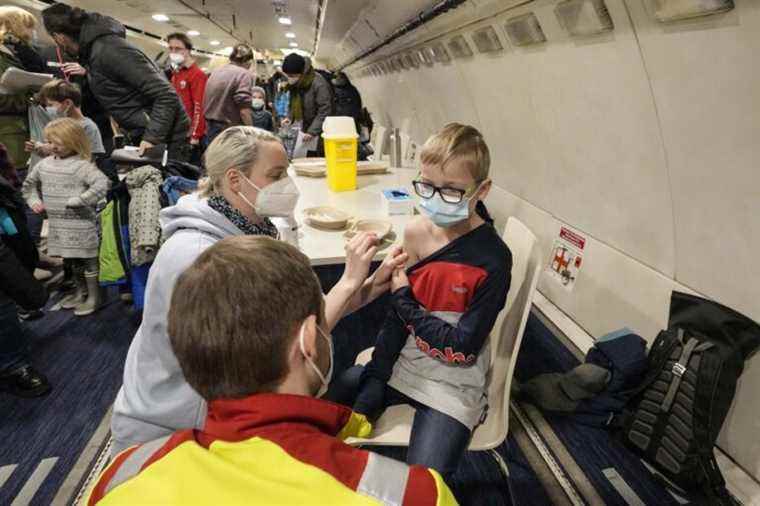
(327, 247)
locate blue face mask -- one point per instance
(53, 112)
(444, 214)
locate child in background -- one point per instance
(67, 185)
(261, 117)
(64, 100)
(433, 350)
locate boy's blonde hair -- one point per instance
(71, 135)
(17, 22)
(461, 142)
(235, 148)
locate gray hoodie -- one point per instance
(155, 400)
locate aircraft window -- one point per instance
(440, 54)
(459, 47)
(486, 40)
(427, 55)
(668, 10)
(525, 30)
(412, 59)
(584, 17)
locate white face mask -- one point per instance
(324, 378)
(279, 199)
(176, 59)
(257, 103)
(293, 80)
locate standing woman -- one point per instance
(17, 31)
(311, 99)
(123, 79)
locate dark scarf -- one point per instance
(296, 97)
(221, 206)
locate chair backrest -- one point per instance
(379, 142)
(510, 324)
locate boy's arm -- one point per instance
(457, 344)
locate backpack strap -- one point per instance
(679, 368)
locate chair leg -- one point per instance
(504, 471)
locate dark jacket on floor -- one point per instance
(129, 85)
(18, 255)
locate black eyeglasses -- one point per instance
(448, 195)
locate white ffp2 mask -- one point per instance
(279, 199)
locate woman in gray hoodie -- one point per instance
(247, 182)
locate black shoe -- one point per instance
(25, 382)
(35, 314)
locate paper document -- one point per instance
(16, 80)
(303, 147)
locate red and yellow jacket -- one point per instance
(267, 449)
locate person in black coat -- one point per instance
(127, 83)
(18, 256)
(348, 101)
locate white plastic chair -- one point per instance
(379, 139)
(394, 426)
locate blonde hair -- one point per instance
(17, 22)
(71, 135)
(235, 148)
(461, 142)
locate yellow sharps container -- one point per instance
(341, 142)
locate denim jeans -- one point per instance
(214, 128)
(437, 441)
(13, 342)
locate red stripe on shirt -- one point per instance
(446, 286)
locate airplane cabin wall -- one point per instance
(644, 139)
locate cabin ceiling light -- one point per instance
(293, 44)
(214, 42)
(193, 33)
(290, 35)
(161, 18)
(284, 20)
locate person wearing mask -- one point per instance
(311, 99)
(259, 371)
(123, 79)
(64, 100)
(18, 256)
(228, 93)
(261, 117)
(348, 101)
(190, 83)
(246, 184)
(17, 31)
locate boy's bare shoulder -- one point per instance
(416, 228)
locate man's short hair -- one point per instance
(234, 314)
(184, 39)
(241, 54)
(60, 90)
(463, 143)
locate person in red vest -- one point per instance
(260, 353)
(190, 82)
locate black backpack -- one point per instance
(679, 409)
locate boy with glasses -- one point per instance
(433, 351)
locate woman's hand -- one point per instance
(73, 69)
(359, 254)
(38, 208)
(29, 146)
(396, 259)
(399, 280)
